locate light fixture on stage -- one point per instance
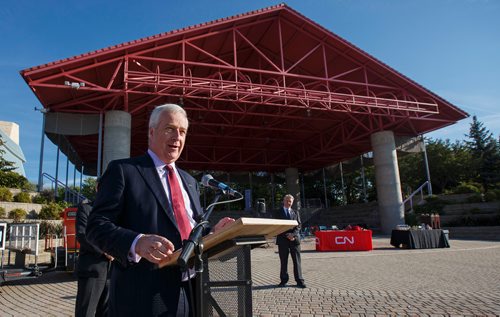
(73, 84)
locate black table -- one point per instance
(419, 239)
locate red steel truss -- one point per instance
(264, 90)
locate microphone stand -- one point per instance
(194, 244)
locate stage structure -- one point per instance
(269, 90)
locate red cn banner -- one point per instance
(344, 240)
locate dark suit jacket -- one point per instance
(91, 260)
(130, 201)
(281, 239)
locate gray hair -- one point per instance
(170, 108)
(288, 196)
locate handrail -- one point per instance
(415, 192)
(71, 196)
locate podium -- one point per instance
(227, 277)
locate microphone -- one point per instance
(208, 181)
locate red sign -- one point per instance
(344, 240)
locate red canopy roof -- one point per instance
(264, 90)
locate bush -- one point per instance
(50, 211)
(476, 198)
(497, 193)
(39, 199)
(22, 197)
(17, 214)
(490, 196)
(433, 199)
(44, 197)
(467, 188)
(48, 228)
(411, 219)
(32, 215)
(433, 205)
(2, 212)
(5, 194)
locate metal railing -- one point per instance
(70, 195)
(420, 191)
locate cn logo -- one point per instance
(344, 240)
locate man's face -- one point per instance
(168, 137)
(287, 202)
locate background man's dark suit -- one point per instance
(285, 247)
(92, 271)
(130, 201)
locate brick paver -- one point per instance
(459, 281)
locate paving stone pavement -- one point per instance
(460, 281)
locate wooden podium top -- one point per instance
(242, 227)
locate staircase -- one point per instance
(71, 196)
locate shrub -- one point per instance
(47, 227)
(473, 211)
(5, 194)
(476, 198)
(497, 193)
(39, 199)
(432, 199)
(50, 211)
(411, 219)
(2, 212)
(433, 205)
(32, 215)
(490, 196)
(22, 197)
(44, 197)
(63, 204)
(467, 188)
(17, 214)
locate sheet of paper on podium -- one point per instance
(242, 227)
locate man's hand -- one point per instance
(154, 248)
(290, 236)
(109, 257)
(222, 223)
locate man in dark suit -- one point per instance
(144, 209)
(289, 243)
(92, 271)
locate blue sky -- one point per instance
(451, 47)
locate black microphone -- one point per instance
(208, 181)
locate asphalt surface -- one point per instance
(463, 280)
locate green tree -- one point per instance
(5, 166)
(449, 165)
(9, 178)
(89, 188)
(485, 150)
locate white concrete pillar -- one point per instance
(388, 184)
(117, 126)
(293, 186)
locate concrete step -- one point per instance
(491, 233)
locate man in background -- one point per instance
(92, 270)
(289, 243)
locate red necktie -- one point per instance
(178, 204)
